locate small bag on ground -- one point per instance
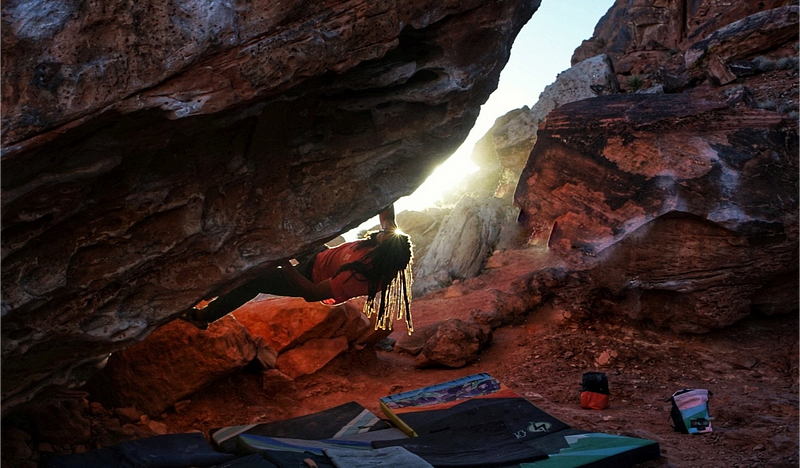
(690, 411)
(594, 391)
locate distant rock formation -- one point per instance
(671, 204)
(648, 39)
(677, 204)
(467, 237)
(514, 140)
(483, 219)
(679, 208)
(156, 154)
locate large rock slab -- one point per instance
(455, 343)
(463, 243)
(174, 362)
(285, 336)
(507, 145)
(287, 322)
(284, 323)
(311, 356)
(156, 154)
(681, 206)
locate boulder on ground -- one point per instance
(175, 361)
(288, 322)
(311, 356)
(456, 343)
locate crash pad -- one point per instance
(573, 448)
(164, 451)
(344, 420)
(250, 461)
(100, 458)
(445, 417)
(475, 446)
(475, 399)
(389, 457)
(296, 459)
(247, 443)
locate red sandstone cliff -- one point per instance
(154, 155)
(677, 206)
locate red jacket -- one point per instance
(344, 285)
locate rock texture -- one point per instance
(155, 154)
(611, 165)
(483, 220)
(311, 356)
(175, 361)
(650, 39)
(275, 335)
(714, 56)
(678, 208)
(513, 140)
(466, 238)
(285, 323)
(455, 343)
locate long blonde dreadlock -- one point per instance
(393, 300)
(387, 269)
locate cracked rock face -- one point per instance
(683, 208)
(644, 37)
(156, 154)
(677, 204)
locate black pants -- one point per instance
(273, 281)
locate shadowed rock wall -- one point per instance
(155, 154)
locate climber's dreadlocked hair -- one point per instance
(387, 269)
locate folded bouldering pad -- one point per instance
(465, 422)
(296, 459)
(460, 403)
(165, 451)
(250, 461)
(247, 443)
(389, 457)
(573, 448)
(475, 446)
(100, 458)
(341, 421)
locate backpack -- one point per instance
(689, 412)
(594, 391)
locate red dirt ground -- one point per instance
(751, 368)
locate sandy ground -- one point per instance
(751, 368)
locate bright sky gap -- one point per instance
(542, 50)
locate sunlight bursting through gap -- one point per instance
(541, 51)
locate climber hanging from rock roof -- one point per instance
(377, 266)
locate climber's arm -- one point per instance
(387, 219)
(306, 289)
